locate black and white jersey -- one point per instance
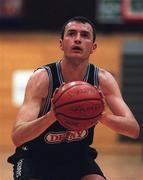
(57, 138)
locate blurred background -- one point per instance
(29, 38)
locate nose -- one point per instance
(78, 38)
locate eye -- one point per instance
(85, 34)
(71, 33)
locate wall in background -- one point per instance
(29, 51)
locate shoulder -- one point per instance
(107, 81)
(105, 75)
(38, 82)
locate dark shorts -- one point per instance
(28, 169)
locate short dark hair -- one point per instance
(80, 19)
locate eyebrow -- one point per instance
(83, 31)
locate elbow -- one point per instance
(135, 133)
(15, 140)
(131, 135)
(138, 131)
(135, 136)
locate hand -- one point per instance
(100, 92)
(56, 90)
(52, 113)
(103, 117)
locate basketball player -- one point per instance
(45, 150)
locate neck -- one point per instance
(73, 70)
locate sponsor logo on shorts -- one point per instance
(68, 136)
(24, 148)
(19, 168)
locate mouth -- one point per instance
(77, 49)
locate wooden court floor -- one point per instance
(118, 165)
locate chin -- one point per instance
(76, 56)
(76, 60)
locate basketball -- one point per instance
(78, 105)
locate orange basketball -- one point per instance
(78, 105)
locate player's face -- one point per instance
(77, 42)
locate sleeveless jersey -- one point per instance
(56, 138)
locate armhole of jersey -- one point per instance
(96, 78)
(59, 72)
(47, 104)
(87, 73)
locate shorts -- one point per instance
(29, 169)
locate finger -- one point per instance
(63, 84)
(56, 90)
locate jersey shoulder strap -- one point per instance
(93, 75)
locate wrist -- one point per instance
(51, 115)
(103, 117)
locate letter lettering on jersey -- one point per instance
(76, 135)
(81, 134)
(71, 135)
(67, 136)
(53, 137)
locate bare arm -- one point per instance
(27, 125)
(122, 120)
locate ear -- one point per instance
(93, 47)
(61, 44)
